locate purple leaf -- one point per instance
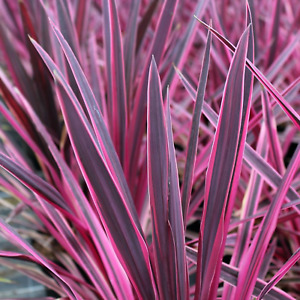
(103, 141)
(14, 236)
(158, 161)
(116, 98)
(223, 174)
(230, 274)
(20, 77)
(129, 51)
(275, 148)
(81, 19)
(194, 131)
(138, 119)
(67, 26)
(276, 278)
(288, 109)
(47, 109)
(253, 259)
(184, 45)
(34, 182)
(118, 217)
(116, 273)
(256, 161)
(175, 213)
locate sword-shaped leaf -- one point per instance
(116, 94)
(252, 261)
(276, 278)
(251, 156)
(117, 216)
(194, 131)
(288, 109)
(175, 213)
(223, 174)
(158, 162)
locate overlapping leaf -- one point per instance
(192, 145)
(136, 128)
(158, 161)
(117, 103)
(253, 260)
(117, 217)
(223, 174)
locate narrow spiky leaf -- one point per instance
(15, 237)
(223, 173)
(276, 278)
(116, 273)
(250, 155)
(158, 161)
(194, 131)
(253, 260)
(175, 213)
(116, 215)
(138, 120)
(117, 103)
(230, 274)
(92, 107)
(288, 109)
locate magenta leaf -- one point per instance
(117, 216)
(35, 183)
(288, 109)
(223, 174)
(138, 121)
(116, 273)
(275, 148)
(175, 213)
(116, 98)
(276, 278)
(256, 161)
(253, 259)
(67, 26)
(230, 274)
(14, 236)
(40, 76)
(194, 131)
(158, 161)
(107, 148)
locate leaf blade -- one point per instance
(223, 172)
(118, 217)
(117, 103)
(194, 131)
(253, 260)
(157, 162)
(175, 213)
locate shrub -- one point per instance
(148, 159)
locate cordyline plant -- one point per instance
(148, 154)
